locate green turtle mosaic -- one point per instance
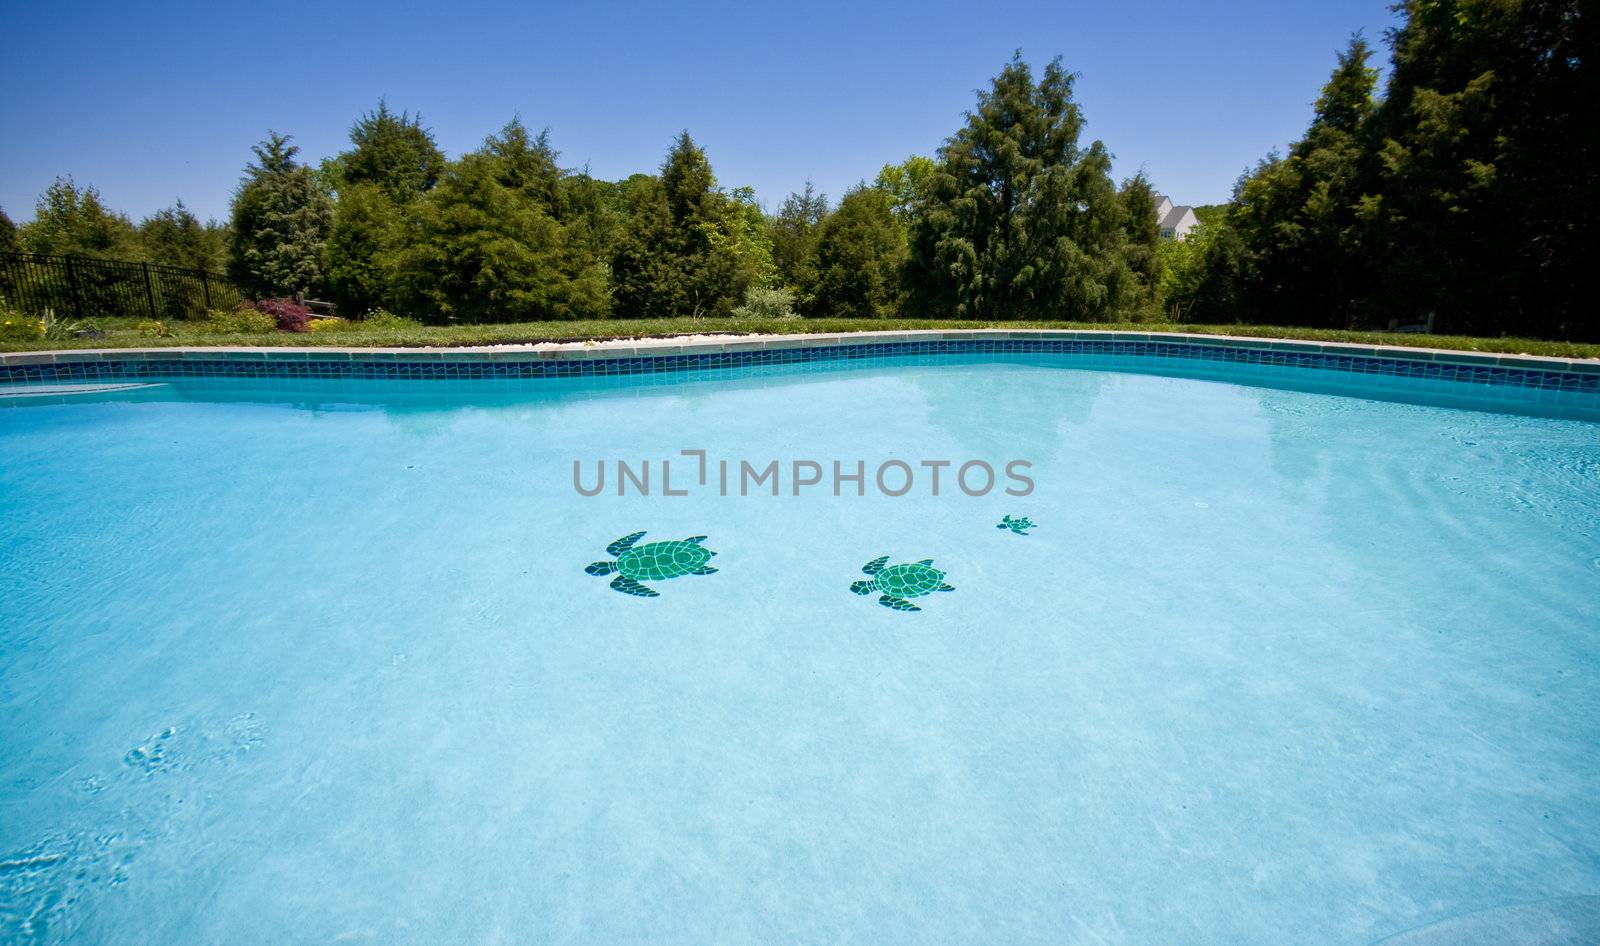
(1018, 526)
(653, 561)
(897, 583)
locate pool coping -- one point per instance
(714, 344)
(1559, 382)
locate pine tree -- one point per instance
(9, 241)
(392, 163)
(1294, 253)
(176, 237)
(391, 152)
(641, 272)
(1142, 236)
(1488, 151)
(483, 246)
(690, 249)
(794, 233)
(365, 234)
(860, 253)
(281, 217)
(528, 163)
(1452, 201)
(1020, 222)
(594, 214)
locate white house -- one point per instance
(1175, 221)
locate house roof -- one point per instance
(1175, 216)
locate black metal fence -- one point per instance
(82, 287)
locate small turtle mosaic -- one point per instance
(1020, 526)
(897, 583)
(653, 561)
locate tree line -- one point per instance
(1013, 219)
(74, 220)
(1457, 199)
(1461, 198)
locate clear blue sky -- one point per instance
(154, 101)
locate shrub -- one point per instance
(240, 321)
(56, 329)
(766, 304)
(384, 320)
(16, 327)
(158, 329)
(289, 315)
(329, 325)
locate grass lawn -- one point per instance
(120, 333)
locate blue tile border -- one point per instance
(655, 358)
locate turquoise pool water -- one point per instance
(320, 662)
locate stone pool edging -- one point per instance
(639, 356)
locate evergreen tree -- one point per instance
(484, 246)
(365, 234)
(644, 276)
(594, 213)
(793, 233)
(528, 163)
(861, 251)
(1451, 201)
(1297, 223)
(1142, 236)
(176, 237)
(1214, 291)
(690, 249)
(1320, 263)
(391, 152)
(392, 162)
(587, 208)
(70, 220)
(9, 241)
(281, 217)
(1019, 222)
(1487, 152)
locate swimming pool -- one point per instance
(317, 659)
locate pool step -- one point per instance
(59, 390)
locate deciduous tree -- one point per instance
(906, 183)
(74, 220)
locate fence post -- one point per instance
(149, 290)
(72, 290)
(205, 288)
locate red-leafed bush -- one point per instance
(289, 315)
